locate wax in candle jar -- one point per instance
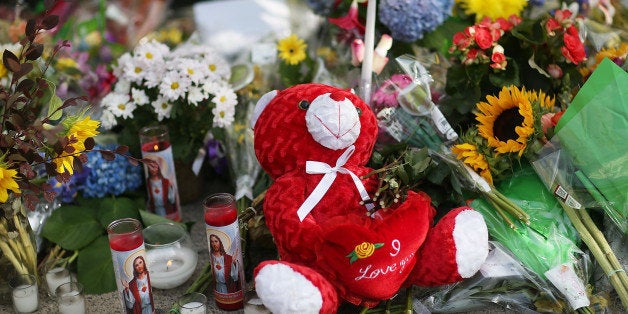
(71, 303)
(155, 146)
(192, 308)
(221, 216)
(126, 242)
(56, 277)
(25, 298)
(170, 267)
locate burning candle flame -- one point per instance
(168, 264)
(156, 147)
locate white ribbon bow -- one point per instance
(317, 167)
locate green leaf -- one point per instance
(55, 102)
(149, 218)
(116, 208)
(507, 77)
(95, 267)
(241, 75)
(72, 227)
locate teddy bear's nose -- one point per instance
(333, 124)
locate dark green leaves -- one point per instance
(72, 227)
(95, 268)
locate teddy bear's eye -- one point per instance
(304, 104)
(359, 111)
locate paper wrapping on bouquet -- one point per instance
(548, 244)
(592, 131)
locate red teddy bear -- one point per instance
(314, 141)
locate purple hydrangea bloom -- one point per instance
(113, 177)
(409, 20)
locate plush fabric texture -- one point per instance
(319, 219)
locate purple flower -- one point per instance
(408, 20)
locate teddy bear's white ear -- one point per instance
(261, 104)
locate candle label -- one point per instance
(133, 280)
(161, 183)
(225, 255)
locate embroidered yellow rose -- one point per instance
(363, 250)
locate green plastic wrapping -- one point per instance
(593, 132)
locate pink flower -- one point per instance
(357, 51)
(498, 58)
(350, 21)
(554, 70)
(483, 37)
(386, 94)
(551, 25)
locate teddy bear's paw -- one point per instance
(455, 249)
(288, 288)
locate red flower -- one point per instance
(483, 37)
(573, 49)
(350, 21)
(462, 41)
(551, 26)
(556, 117)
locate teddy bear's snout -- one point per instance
(333, 124)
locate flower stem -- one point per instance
(28, 248)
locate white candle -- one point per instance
(56, 277)
(369, 45)
(192, 308)
(25, 298)
(170, 267)
(72, 303)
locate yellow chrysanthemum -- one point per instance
(620, 53)
(292, 49)
(492, 9)
(80, 130)
(7, 182)
(507, 121)
(470, 155)
(66, 63)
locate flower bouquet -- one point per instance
(186, 88)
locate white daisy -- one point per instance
(139, 96)
(120, 105)
(122, 64)
(123, 86)
(193, 69)
(151, 51)
(173, 86)
(135, 71)
(217, 66)
(108, 120)
(162, 107)
(223, 115)
(196, 94)
(225, 96)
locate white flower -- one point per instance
(120, 105)
(173, 86)
(162, 107)
(108, 120)
(123, 86)
(123, 62)
(196, 94)
(217, 66)
(139, 96)
(135, 70)
(225, 96)
(193, 69)
(151, 51)
(223, 115)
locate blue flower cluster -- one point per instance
(110, 177)
(408, 20)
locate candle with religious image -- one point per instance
(225, 253)
(129, 264)
(161, 178)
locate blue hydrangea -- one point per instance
(108, 178)
(409, 20)
(536, 3)
(320, 7)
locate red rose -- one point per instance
(483, 37)
(551, 26)
(573, 49)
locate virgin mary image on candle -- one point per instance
(225, 267)
(137, 293)
(162, 196)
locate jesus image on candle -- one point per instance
(162, 196)
(137, 293)
(226, 271)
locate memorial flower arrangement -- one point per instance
(39, 138)
(186, 88)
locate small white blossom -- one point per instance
(123, 86)
(193, 69)
(173, 86)
(151, 51)
(108, 120)
(139, 96)
(223, 115)
(162, 107)
(120, 105)
(225, 96)
(196, 94)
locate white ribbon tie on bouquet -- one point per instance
(317, 167)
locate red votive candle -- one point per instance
(225, 253)
(161, 178)
(129, 264)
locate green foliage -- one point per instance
(82, 228)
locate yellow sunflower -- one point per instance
(7, 182)
(80, 130)
(292, 49)
(506, 121)
(470, 155)
(492, 9)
